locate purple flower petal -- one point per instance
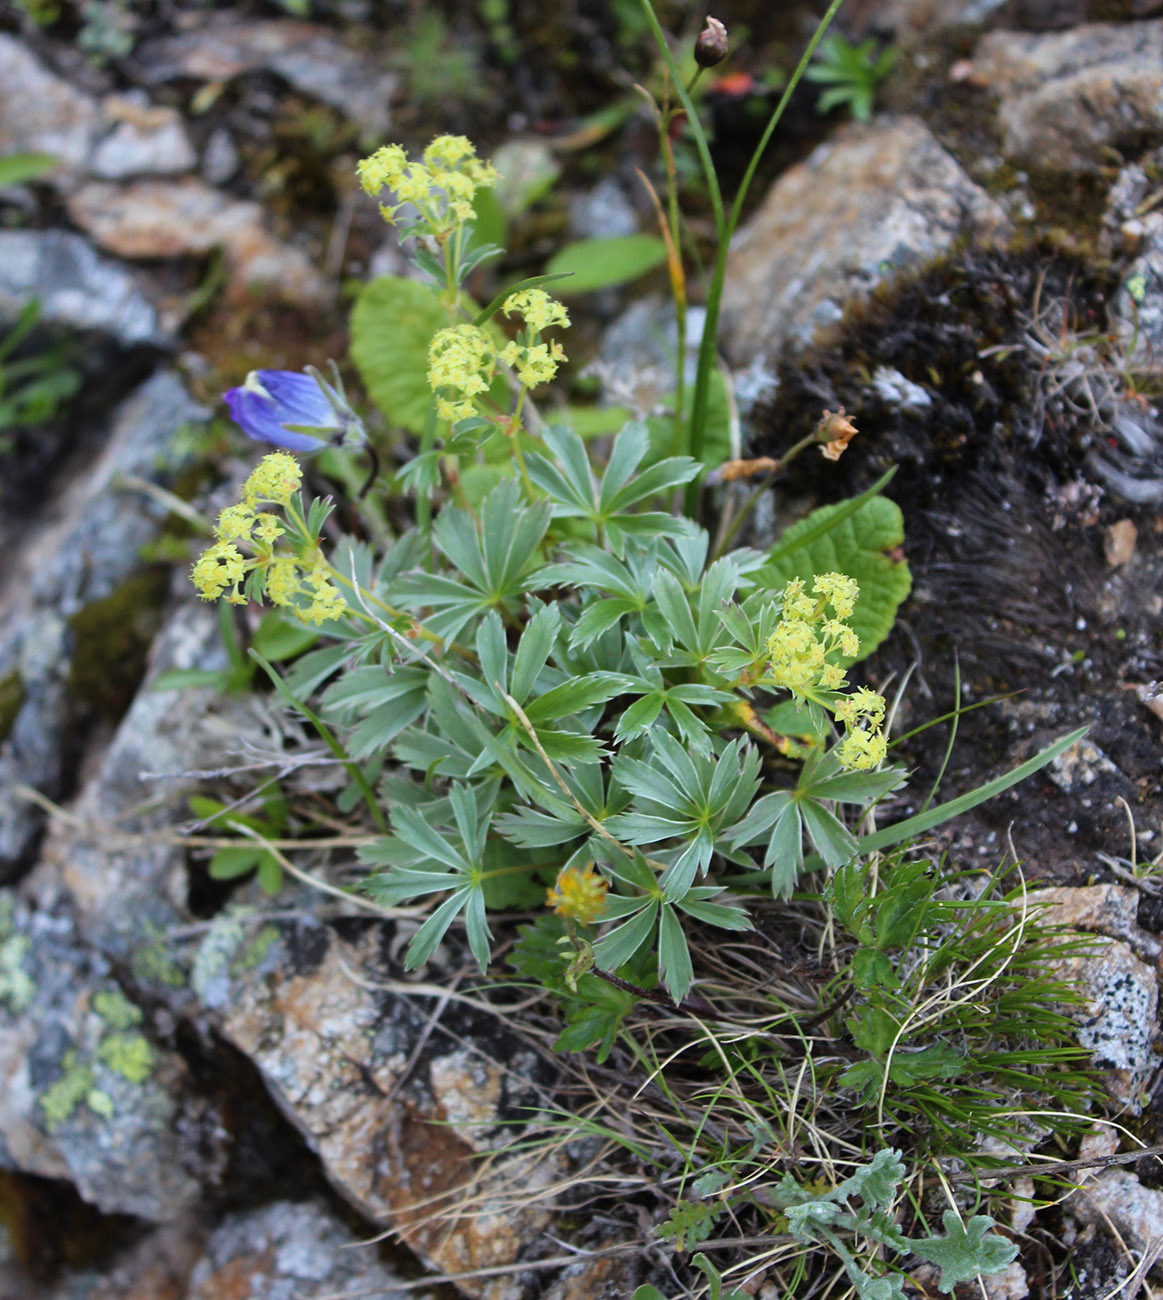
(272, 399)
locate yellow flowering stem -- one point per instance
(514, 432)
(427, 443)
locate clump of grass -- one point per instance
(904, 1007)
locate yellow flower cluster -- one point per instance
(801, 649)
(534, 361)
(221, 569)
(865, 746)
(461, 360)
(441, 186)
(801, 643)
(579, 895)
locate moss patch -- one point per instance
(255, 950)
(60, 1101)
(116, 1009)
(130, 1055)
(113, 637)
(152, 964)
(11, 699)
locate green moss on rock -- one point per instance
(11, 699)
(116, 1009)
(60, 1101)
(113, 637)
(130, 1055)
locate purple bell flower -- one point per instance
(298, 412)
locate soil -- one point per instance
(1006, 525)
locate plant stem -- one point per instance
(724, 226)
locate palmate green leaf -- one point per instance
(384, 703)
(832, 840)
(440, 860)
(497, 561)
(391, 326)
(694, 620)
(688, 796)
(568, 481)
(966, 1250)
(620, 944)
(674, 958)
(860, 543)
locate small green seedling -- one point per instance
(851, 72)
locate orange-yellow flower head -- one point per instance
(579, 895)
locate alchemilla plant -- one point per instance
(557, 682)
(553, 690)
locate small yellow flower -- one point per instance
(579, 895)
(382, 168)
(535, 361)
(267, 529)
(235, 522)
(863, 750)
(461, 360)
(219, 567)
(282, 581)
(441, 186)
(539, 310)
(275, 478)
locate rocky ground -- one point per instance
(207, 1094)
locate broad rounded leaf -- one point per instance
(391, 326)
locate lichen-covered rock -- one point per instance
(86, 1092)
(119, 136)
(873, 200)
(290, 1251)
(1114, 1197)
(126, 885)
(398, 1115)
(41, 113)
(1119, 992)
(142, 140)
(1070, 100)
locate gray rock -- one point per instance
(1129, 230)
(84, 1092)
(142, 141)
(602, 212)
(1114, 1198)
(215, 47)
(291, 1251)
(41, 113)
(1119, 992)
(394, 1115)
(77, 287)
(872, 201)
(1071, 100)
(187, 217)
(220, 159)
(85, 545)
(127, 886)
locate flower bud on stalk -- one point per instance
(711, 46)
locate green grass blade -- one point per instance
(955, 807)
